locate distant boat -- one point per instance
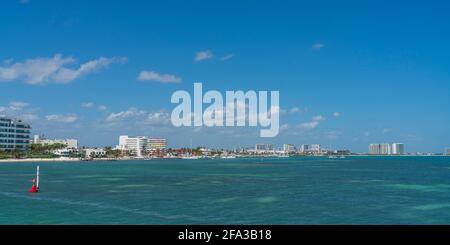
(190, 157)
(342, 157)
(228, 157)
(283, 156)
(332, 157)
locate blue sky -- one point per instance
(375, 71)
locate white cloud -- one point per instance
(227, 57)
(69, 118)
(284, 127)
(312, 124)
(136, 117)
(318, 46)
(154, 76)
(17, 105)
(203, 55)
(337, 114)
(57, 69)
(318, 118)
(295, 110)
(20, 110)
(88, 104)
(386, 130)
(123, 115)
(309, 125)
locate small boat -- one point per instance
(283, 156)
(228, 157)
(190, 157)
(332, 157)
(35, 186)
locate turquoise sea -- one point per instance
(298, 190)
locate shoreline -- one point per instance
(31, 160)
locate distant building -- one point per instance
(94, 152)
(134, 145)
(155, 144)
(398, 149)
(447, 152)
(69, 143)
(263, 147)
(139, 145)
(374, 149)
(14, 134)
(387, 149)
(288, 148)
(342, 152)
(310, 149)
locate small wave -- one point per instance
(102, 206)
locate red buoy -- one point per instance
(33, 189)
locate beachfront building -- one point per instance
(155, 144)
(447, 152)
(69, 143)
(398, 149)
(288, 148)
(94, 152)
(14, 134)
(310, 149)
(134, 145)
(263, 148)
(140, 145)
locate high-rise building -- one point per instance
(385, 149)
(14, 134)
(447, 152)
(134, 145)
(374, 149)
(398, 149)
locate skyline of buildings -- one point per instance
(16, 134)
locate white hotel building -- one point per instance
(140, 145)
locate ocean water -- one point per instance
(300, 190)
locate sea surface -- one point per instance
(297, 190)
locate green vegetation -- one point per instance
(112, 153)
(38, 148)
(12, 154)
(34, 151)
